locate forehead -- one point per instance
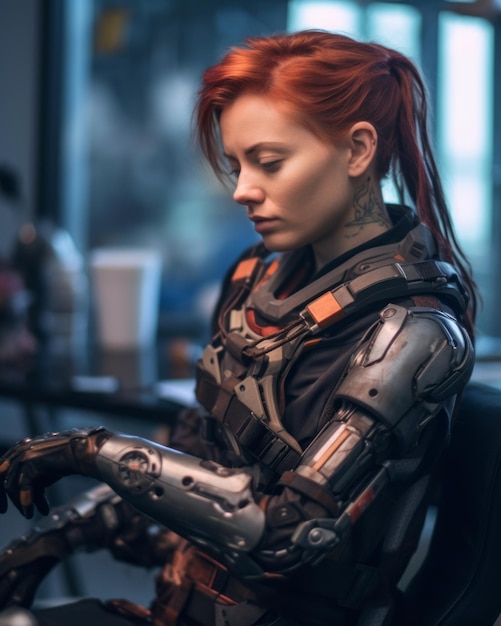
(256, 118)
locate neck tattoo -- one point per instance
(369, 209)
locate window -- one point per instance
(465, 131)
(463, 117)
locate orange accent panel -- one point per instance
(272, 268)
(325, 310)
(263, 503)
(5, 466)
(244, 269)
(267, 275)
(361, 504)
(312, 342)
(330, 451)
(263, 331)
(25, 497)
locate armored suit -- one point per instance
(340, 417)
(300, 483)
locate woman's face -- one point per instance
(296, 188)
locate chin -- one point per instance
(273, 245)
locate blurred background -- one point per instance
(96, 150)
(95, 126)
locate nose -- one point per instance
(248, 191)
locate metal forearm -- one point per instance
(200, 500)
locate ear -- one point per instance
(363, 143)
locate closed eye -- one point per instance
(271, 166)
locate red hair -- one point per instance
(330, 82)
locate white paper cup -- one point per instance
(125, 287)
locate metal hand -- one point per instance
(31, 465)
(25, 563)
(88, 522)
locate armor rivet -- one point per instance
(157, 493)
(389, 313)
(373, 392)
(242, 387)
(316, 535)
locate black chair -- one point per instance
(459, 582)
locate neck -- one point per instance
(369, 219)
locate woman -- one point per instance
(340, 344)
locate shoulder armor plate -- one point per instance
(425, 353)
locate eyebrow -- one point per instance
(275, 145)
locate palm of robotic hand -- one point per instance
(93, 520)
(85, 522)
(24, 563)
(31, 465)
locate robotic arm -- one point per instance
(201, 500)
(408, 368)
(424, 354)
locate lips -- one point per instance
(263, 224)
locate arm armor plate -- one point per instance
(414, 361)
(201, 500)
(410, 364)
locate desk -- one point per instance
(122, 384)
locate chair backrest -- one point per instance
(459, 583)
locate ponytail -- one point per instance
(415, 165)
